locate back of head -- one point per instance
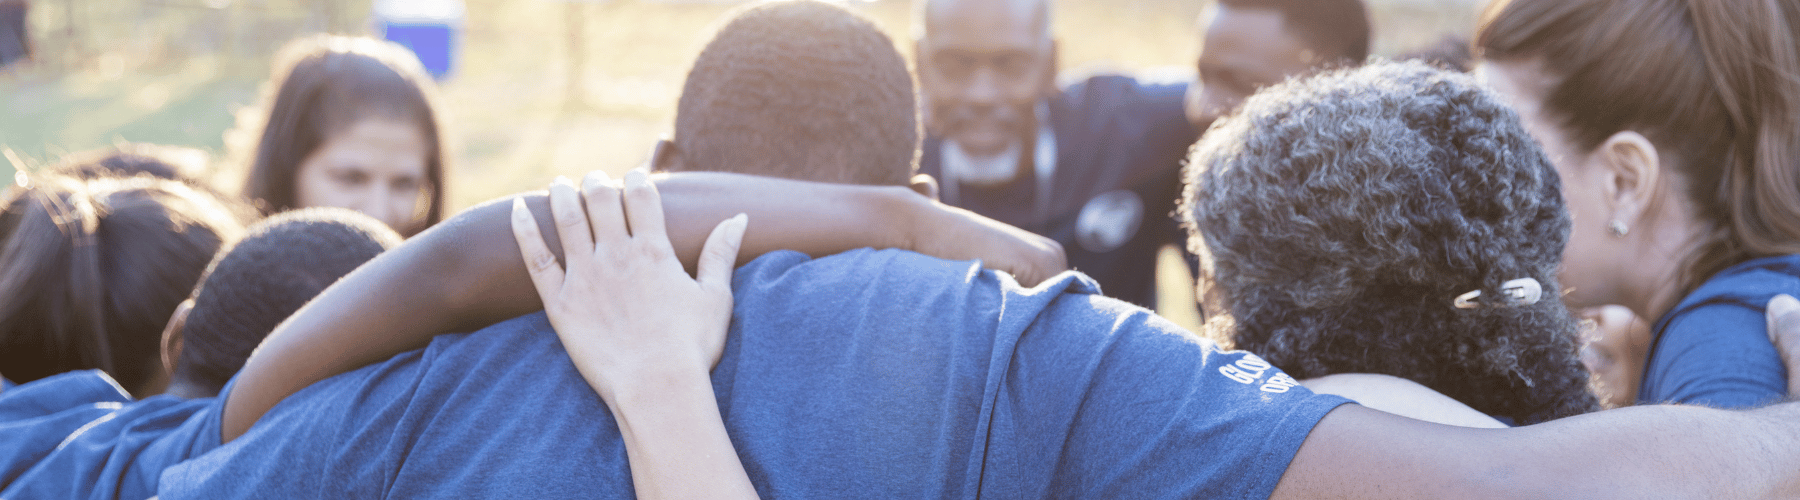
(1714, 84)
(91, 270)
(1337, 29)
(1339, 217)
(804, 90)
(279, 265)
(326, 84)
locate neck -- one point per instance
(1670, 250)
(185, 388)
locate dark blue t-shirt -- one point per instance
(871, 374)
(1120, 143)
(1713, 348)
(78, 435)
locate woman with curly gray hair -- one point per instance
(1393, 219)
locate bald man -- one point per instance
(1096, 165)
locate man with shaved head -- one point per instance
(1096, 165)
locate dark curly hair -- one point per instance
(804, 90)
(1338, 217)
(280, 264)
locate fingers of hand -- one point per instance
(720, 255)
(643, 209)
(605, 214)
(571, 223)
(539, 262)
(1784, 318)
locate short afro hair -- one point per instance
(803, 90)
(1340, 216)
(283, 262)
(1337, 29)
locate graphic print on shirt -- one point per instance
(1250, 370)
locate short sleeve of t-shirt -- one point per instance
(866, 374)
(78, 435)
(1713, 348)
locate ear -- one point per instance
(926, 185)
(171, 336)
(665, 157)
(1633, 171)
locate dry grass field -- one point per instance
(543, 88)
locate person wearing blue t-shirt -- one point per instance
(1096, 165)
(875, 373)
(79, 435)
(889, 373)
(1676, 139)
(80, 432)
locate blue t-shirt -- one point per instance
(78, 435)
(1713, 348)
(871, 374)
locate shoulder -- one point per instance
(1094, 374)
(1713, 347)
(74, 451)
(61, 392)
(1125, 90)
(1748, 284)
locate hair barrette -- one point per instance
(1519, 292)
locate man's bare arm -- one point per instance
(466, 272)
(1656, 451)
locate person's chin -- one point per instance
(985, 143)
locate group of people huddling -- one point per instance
(1392, 258)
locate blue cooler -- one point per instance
(431, 28)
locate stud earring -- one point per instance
(1617, 228)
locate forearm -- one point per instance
(676, 441)
(1665, 451)
(1656, 451)
(467, 273)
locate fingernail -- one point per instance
(564, 181)
(518, 209)
(739, 223)
(1784, 302)
(635, 178)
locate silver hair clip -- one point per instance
(1519, 292)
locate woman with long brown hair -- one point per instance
(1675, 126)
(351, 123)
(92, 268)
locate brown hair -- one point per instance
(91, 270)
(1716, 83)
(804, 90)
(326, 84)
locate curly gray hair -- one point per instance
(1338, 217)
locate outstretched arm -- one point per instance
(647, 353)
(1654, 451)
(465, 273)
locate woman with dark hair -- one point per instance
(92, 269)
(1415, 235)
(352, 123)
(1675, 126)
